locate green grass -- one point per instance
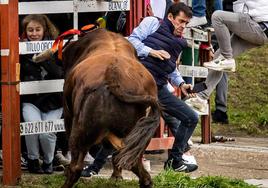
(165, 179)
(248, 92)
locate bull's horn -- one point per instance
(43, 56)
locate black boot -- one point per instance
(220, 117)
(47, 168)
(34, 166)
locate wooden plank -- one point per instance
(45, 7)
(193, 71)
(161, 143)
(44, 86)
(204, 56)
(10, 95)
(206, 127)
(39, 127)
(56, 7)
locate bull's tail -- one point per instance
(139, 137)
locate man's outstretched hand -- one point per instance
(160, 54)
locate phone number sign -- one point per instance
(39, 127)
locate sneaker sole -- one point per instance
(185, 169)
(221, 69)
(199, 110)
(194, 169)
(88, 174)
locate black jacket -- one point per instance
(163, 39)
(47, 70)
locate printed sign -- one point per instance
(34, 47)
(118, 5)
(39, 127)
(196, 34)
(190, 71)
(98, 6)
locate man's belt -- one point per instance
(264, 28)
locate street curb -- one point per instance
(232, 147)
(263, 183)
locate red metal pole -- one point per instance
(10, 94)
(135, 15)
(130, 18)
(140, 12)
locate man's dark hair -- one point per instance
(176, 8)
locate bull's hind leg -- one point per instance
(78, 150)
(79, 143)
(73, 171)
(117, 171)
(144, 177)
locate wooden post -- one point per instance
(205, 56)
(10, 95)
(206, 127)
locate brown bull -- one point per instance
(106, 95)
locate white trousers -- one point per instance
(47, 141)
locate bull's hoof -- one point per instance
(147, 185)
(116, 177)
(66, 171)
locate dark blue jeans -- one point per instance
(105, 150)
(172, 123)
(181, 111)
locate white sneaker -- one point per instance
(196, 21)
(146, 164)
(61, 159)
(190, 142)
(68, 156)
(88, 159)
(198, 104)
(189, 159)
(221, 64)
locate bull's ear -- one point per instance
(43, 56)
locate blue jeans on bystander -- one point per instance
(199, 7)
(181, 111)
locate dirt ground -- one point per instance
(245, 158)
